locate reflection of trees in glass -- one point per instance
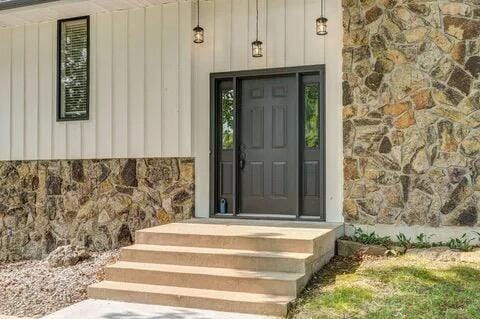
(227, 119)
(312, 98)
(74, 65)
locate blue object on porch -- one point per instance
(223, 206)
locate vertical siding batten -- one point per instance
(185, 80)
(120, 84)
(240, 35)
(313, 43)
(223, 38)
(31, 92)
(18, 93)
(170, 66)
(153, 81)
(295, 33)
(136, 78)
(104, 84)
(5, 93)
(276, 33)
(46, 82)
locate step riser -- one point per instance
(189, 302)
(214, 260)
(224, 283)
(225, 242)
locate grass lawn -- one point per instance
(410, 287)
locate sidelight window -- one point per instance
(227, 102)
(312, 119)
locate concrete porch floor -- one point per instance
(102, 309)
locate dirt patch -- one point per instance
(33, 289)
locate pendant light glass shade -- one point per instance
(198, 32)
(322, 26)
(257, 45)
(257, 49)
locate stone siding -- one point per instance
(98, 204)
(411, 96)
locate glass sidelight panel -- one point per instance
(226, 132)
(313, 146)
(227, 102)
(312, 119)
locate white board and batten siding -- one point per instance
(149, 84)
(140, 88)
(287, 29)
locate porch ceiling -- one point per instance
(14, 13)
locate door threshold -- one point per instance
(269, 217)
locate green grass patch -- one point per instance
(386, 288)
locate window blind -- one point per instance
(74, 73)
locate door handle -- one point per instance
(242, 163)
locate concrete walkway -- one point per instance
(100, 309)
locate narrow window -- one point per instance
(73, 69)
(312, 120)
(227, 118)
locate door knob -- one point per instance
(242, 163)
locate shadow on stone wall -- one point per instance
(98, 204)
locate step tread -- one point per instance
(266, 232)
(218, 251)
(194, 292)
(209, 271)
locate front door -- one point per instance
(268, 146)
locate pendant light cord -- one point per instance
(322, 7)
(257, 20)
(198, 12)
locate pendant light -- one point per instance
(198, 35)
(322, 21)
(257, 46)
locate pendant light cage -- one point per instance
(321, 25)
(257, 45)
(198, 32)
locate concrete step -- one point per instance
(262, 304)
(275, 283)
(227, 236)
(220, 258)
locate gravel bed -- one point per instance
(33, 289)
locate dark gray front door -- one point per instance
(269, 129)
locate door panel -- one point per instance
(269, 146)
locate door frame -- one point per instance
(215, 137)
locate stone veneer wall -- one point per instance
(93, 203)
(412, 112)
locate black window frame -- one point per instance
(85, 117)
